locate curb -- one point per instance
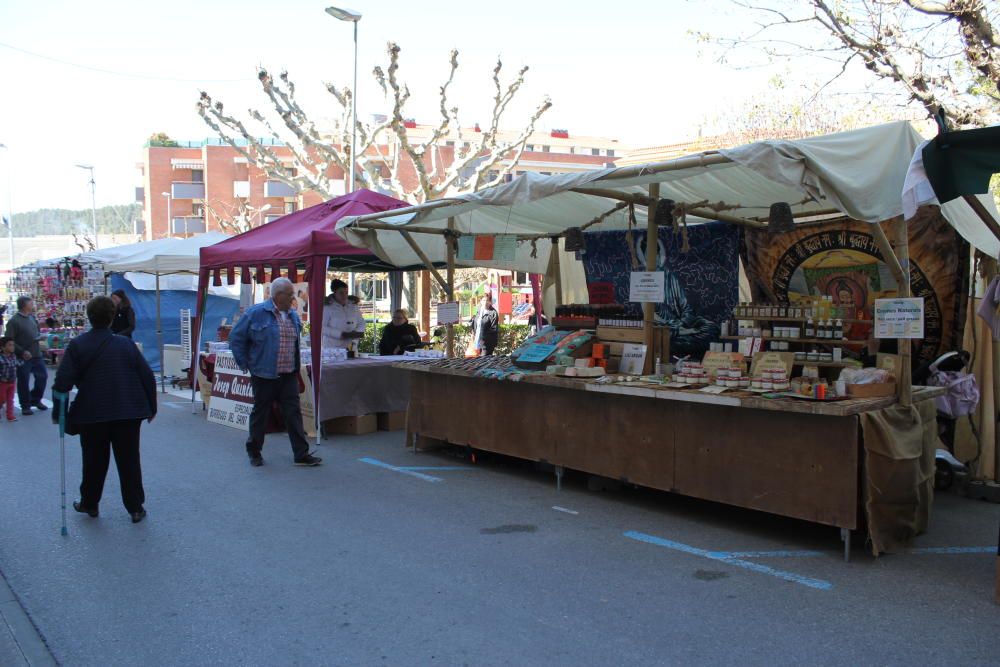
(28, 640)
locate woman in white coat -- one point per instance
(343, 322)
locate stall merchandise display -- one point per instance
(61, 293)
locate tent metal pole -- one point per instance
(652, 249)
(450, 240)
(195, 343)
(159, 337)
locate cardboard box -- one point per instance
(361, 425)
(391, 421)
(876, 390)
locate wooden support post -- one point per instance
(558, 270)
(984, 215)
(652, 247)
(902, 248)
(425, 302)
(888, 253)
(450, 345)
(425, 259)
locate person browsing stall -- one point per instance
(398, 336)
(342, 320)
(265, 342)
(124, 322)
(486, 327)
(23, 328)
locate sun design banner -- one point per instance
(842, 261)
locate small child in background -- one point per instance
(8, 377)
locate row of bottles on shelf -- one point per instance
(817, 308)
(829, 329)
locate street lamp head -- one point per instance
(265, 207)
(344, 14)
(165, 194)
(85, 166)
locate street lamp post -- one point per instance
(10, 208)
(170, 220)
(93, 198)
(351, 16)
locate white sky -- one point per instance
(626, 70)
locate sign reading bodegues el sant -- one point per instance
(232, 394)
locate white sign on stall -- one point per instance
(646, 287)
(447, 312)
(633, 359)
(899, 318)
(232, 394)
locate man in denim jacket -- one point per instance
(265, 342)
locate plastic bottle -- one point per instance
(838, 330)
(810, 328)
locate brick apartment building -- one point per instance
(202, 181)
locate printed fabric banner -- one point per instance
(701, 285)
(841, 260)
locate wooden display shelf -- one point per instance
(759, 318)
(809, 341)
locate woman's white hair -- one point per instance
(282, 285)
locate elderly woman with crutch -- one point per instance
(116, 391)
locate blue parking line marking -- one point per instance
(418, 475)
(769, 554)
(953, 550)
(725, 557)
(418, 468)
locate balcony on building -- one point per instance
(187, 190)
(278, 189)
(187, 224)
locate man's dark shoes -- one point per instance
(138, 516)
(38, 405)
(92, 513)
(308, 460)
(256, 460)
(27, 412)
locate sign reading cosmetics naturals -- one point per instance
(232, 394)
(899, 318)
(646, 287)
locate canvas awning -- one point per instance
(857, 174)
(163, 256)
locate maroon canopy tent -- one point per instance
(304, 243)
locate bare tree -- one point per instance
(385, 148)
(234, 217)
(934, 53)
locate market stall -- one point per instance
(798, 455)
(303, 246)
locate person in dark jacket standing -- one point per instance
(23, 328)
(124, 322)
(265, 342)
(398, 336)
(486, 326)
(116, 391)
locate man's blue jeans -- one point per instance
(28, 368)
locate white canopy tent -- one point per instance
(168, 256)
(857, 174)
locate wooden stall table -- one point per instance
(363, 386)
(793, 458)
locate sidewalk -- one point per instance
(20, 643)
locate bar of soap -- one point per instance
(555, 370)
(573, 372)
(586, 362)
(592, 372)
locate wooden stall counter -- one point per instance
(789, 457)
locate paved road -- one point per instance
(356, 563)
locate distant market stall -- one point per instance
(838, 198)
(302, 247)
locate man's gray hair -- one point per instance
(282, 285)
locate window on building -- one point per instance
(521, 278)
(595, 151)
(198, 210)
(611, 152)
(449, 143)
(509, 177)
(545, 173)
(492, 174)
(290, 207)
(545, 149)
(572, 150)
(198, 175)
(530, 148)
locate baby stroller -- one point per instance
(960, 400)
